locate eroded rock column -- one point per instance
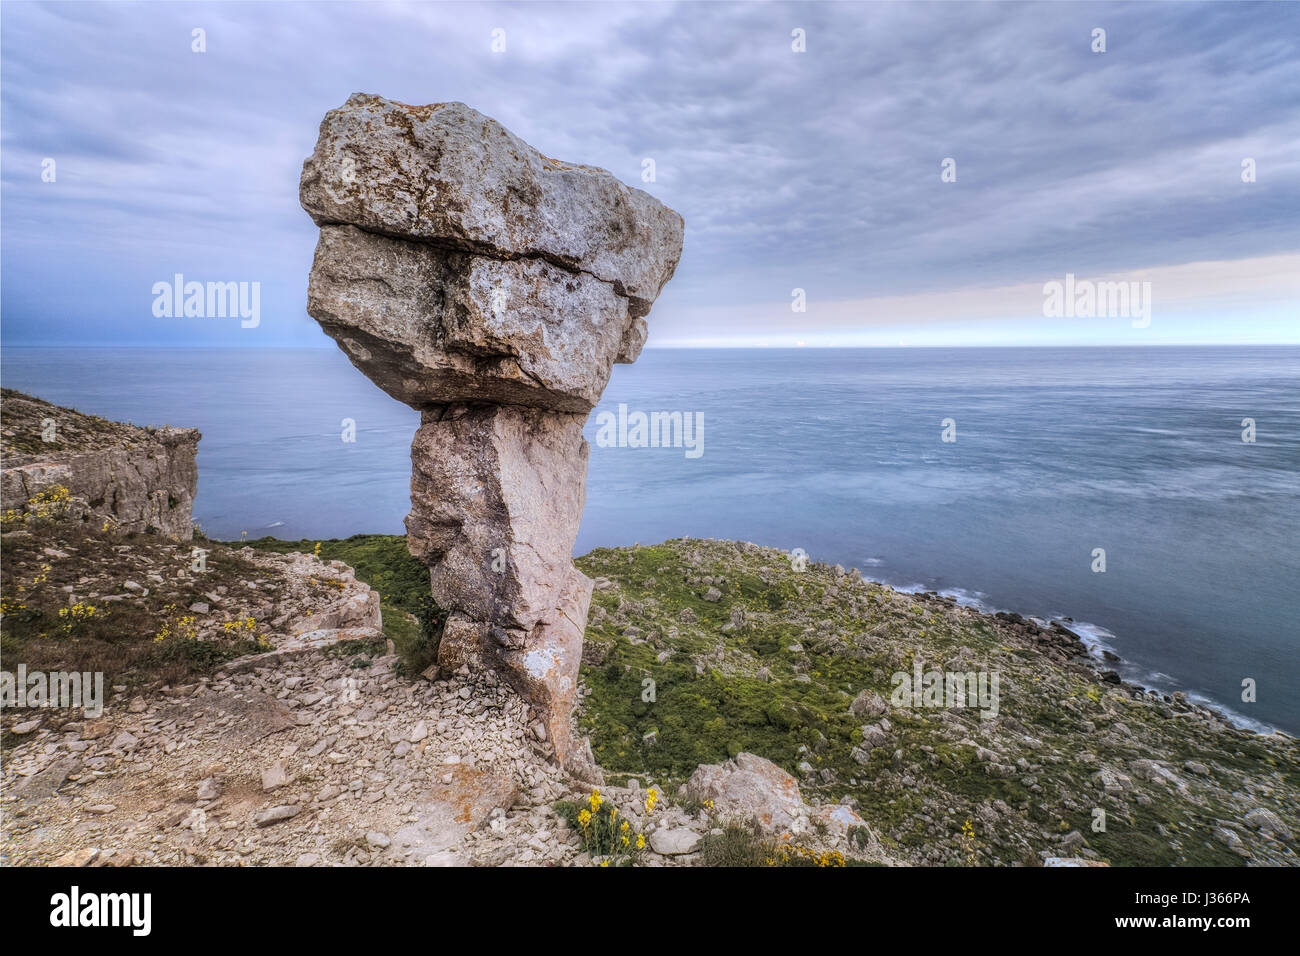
(493, 289)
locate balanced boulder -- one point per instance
(493, 288)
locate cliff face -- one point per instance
(139, 478)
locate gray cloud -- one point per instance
(818, 170)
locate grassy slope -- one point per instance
(772, 666)
(119, 638)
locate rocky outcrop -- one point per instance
(493, 288)
(142, 479)
(752, 790)
(319, 603)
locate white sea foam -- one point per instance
(1098, 640)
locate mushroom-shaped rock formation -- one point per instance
(493, 289)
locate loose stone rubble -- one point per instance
(322, 759)
(314, 760)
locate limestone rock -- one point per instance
(431, 326)
(454, 808)
(493, 289)
(868, 704)
(668, 841)
(1268, 823)
(447, 174)
(1068, 861)
(496, 497)
(82, 857)
(274, 777)
(748, 787)
(838, 819)
(44, 784)
(275, 815)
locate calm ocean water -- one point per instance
(1058, 452)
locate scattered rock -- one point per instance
(749, 787)
(274, 777)
(276, 814)
(674, 841)
(1267, 823)
(82, 857)
(458, 804)
(1072, 861)
(48, 781)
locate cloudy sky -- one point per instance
(816, 170)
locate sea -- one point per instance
(1151, 496)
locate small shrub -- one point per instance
(601, 831)
(74, 619)
(421, 651)
(738, 844)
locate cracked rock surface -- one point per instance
(493, 288)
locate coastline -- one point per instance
(695, 651)
(750, 655)
(1097, 639)
(1183, 611)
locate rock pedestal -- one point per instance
(492, 288)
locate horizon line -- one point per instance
(703, 348)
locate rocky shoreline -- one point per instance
(1105, 661)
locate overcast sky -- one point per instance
(818, 170)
